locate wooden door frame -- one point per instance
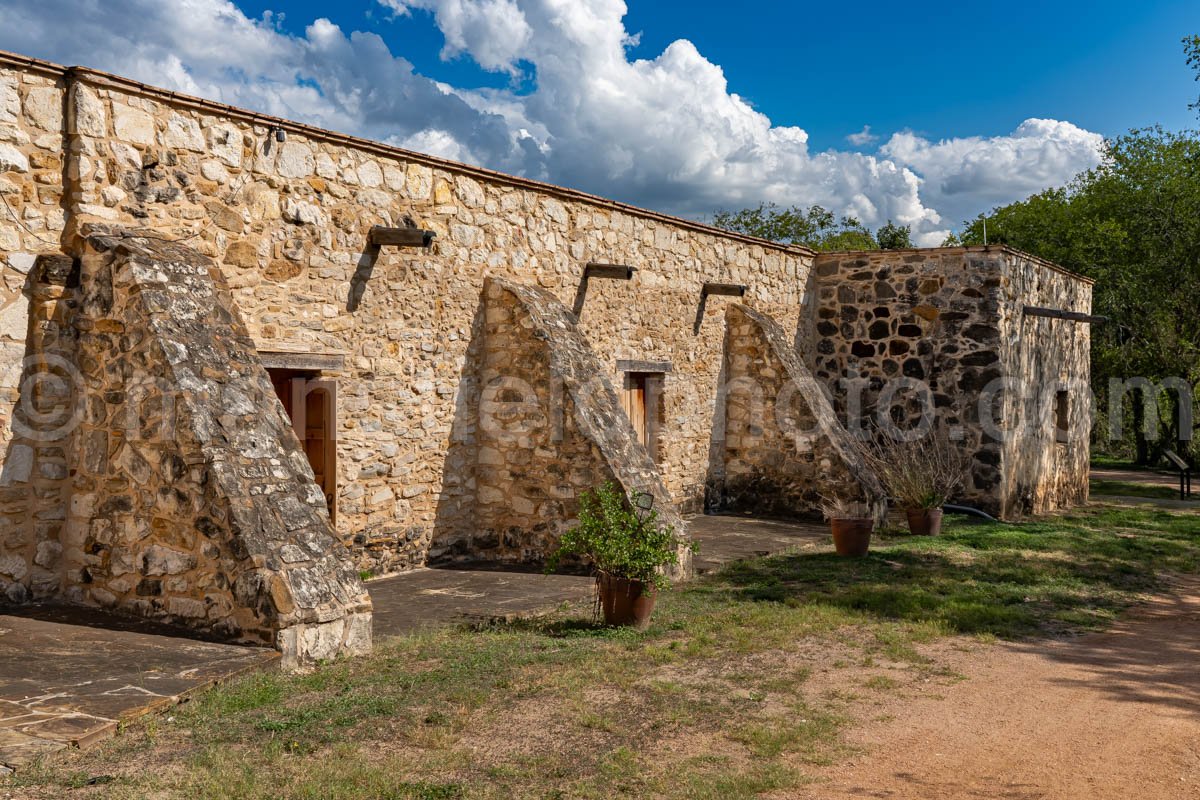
(300, 384)
(652, 383)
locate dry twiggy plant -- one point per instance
(922, 473)
(839, 508)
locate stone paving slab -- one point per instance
(425, 598)
(69, 677)
(730, 537)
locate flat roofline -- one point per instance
(97, 77)
(963, 250)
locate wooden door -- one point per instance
(633, 400)
(311, 404)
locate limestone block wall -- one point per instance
(31, 209)
(785, 451)
(190, 499)
(550, 427)
(45, 411)
(288, 223)
(1042, 473)
(948, 321)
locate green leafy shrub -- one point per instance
(616, 539)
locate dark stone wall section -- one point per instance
(951, 320)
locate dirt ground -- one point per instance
(1147, 477)
(1108, 715)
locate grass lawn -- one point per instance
(1107, 461)
(1129, 489)
(744, 684)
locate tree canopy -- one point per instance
(813, 227)
(1132, 224)
(894, 237)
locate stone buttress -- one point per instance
(550, 427)
(190, 499)
(784, 449)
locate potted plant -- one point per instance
(627, 549)
(851, 523)
(920, 475)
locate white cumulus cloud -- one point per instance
(863, 137)
(965, 176)
(666, 132)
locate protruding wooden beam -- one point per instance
(617, 272)
(726, 289)
(1070, 316)
(401, 237)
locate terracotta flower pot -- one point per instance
(851, 537)
(626, 601)
(924, 521)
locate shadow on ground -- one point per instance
(1149, 657)
(1010, 581)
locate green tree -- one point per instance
(894, 237)
(1191, 48)
(1133, 224)
(814, 227)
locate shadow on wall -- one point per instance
(784, 450)
(362, 276)
(46, 403)
(454, 521)
(714, 481)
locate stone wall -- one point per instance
(1046, 355)
(549, 427)
(785, 451)
(31, 208)
(289, 223)
(189, 500)
(948, 321)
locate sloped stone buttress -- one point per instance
(551, 427)
(191, 500)
(784, 448)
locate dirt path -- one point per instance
(1111, 715)
(1146, 477)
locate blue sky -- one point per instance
(942, 69)
(685, 107)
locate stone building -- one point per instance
(966, 325)
(246, 360)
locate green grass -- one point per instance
(1107, 461)
(742, 685)
(1104, 487)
